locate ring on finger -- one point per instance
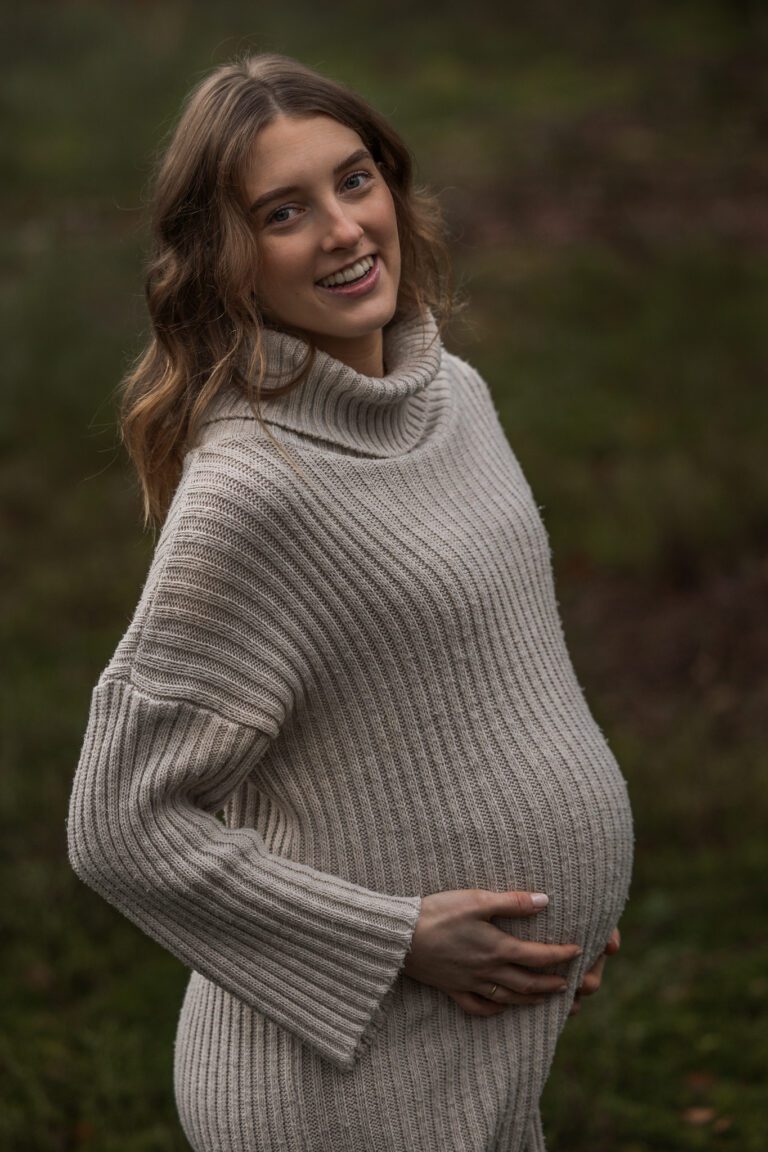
(489, 995)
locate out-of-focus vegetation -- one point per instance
(604, 173)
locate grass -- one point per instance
(600, 177)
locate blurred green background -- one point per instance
(603, 169)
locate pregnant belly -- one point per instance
(552, 817)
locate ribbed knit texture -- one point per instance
(338, 694)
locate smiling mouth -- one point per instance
(354, 271)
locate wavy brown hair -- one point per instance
(204, 319)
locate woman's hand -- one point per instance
(593, 977)
(457, 949)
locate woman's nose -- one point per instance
(341, 230)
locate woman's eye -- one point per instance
(354, 175)
(273, 219)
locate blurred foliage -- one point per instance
(604, 177)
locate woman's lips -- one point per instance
(359, 287)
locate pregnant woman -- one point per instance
(339, 764)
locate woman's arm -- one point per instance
(312, 952)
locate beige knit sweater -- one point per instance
(336, 695)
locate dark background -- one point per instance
(603, 169)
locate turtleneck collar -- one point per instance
(376, 416)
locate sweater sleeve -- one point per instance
(198, 687)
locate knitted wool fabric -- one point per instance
(338, 694)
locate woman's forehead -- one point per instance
(292, 136)
(290, 148)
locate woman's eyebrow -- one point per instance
(276, 193)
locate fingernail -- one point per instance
(540, 899)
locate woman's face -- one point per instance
(328, 207)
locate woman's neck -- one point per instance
(365, 353)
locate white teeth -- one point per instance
(349, 274)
